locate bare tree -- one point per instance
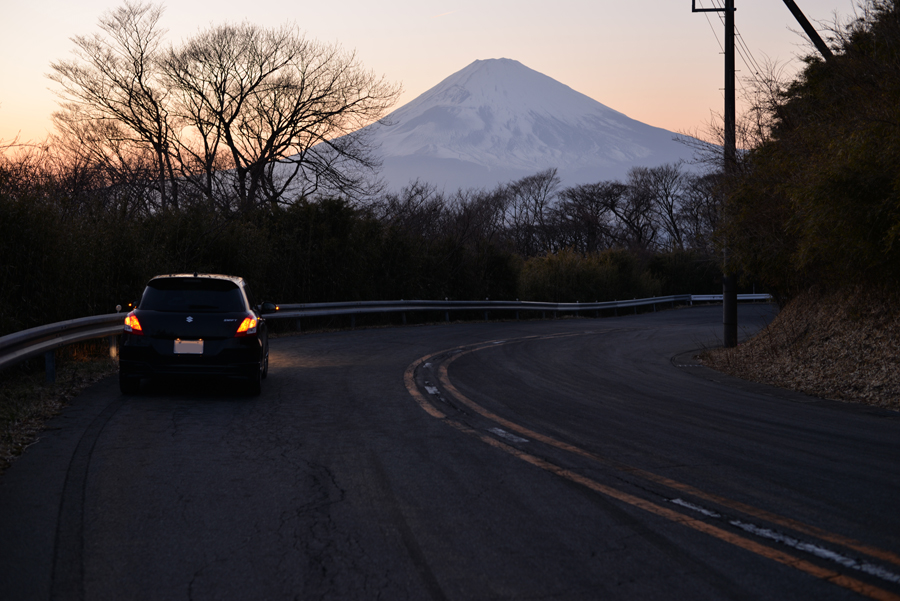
(701, 212)
(665, 187)
(477, 217)
(419, 209)
(114, 97)
(585, 218)
(282, 109)
(263, 115)
(636, 228)
(528, 213)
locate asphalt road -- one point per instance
(567, 459)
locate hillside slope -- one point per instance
(843, 346)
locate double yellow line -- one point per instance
(753, 546)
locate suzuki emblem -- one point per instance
(190, 319)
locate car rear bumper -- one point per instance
(147, 357)
(140, 369)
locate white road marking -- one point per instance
(504, 434)
(696, 508)
(820, 552)
(432, 390)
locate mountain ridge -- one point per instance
(497, 120)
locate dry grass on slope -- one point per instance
(843, 346)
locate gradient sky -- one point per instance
(653, 60)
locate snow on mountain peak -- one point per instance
(508, 84)
(497, 119)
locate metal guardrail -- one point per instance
(46, 339)
(741, 297)
(403, 306)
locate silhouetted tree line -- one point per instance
(68, 250)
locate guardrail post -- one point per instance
(447, 316)
(50, 366)
(113, 346)
(353, 322)
(404, 318)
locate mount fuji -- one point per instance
(496, 121)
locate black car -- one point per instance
(195, 324)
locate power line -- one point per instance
(742, 49)
(713, 29)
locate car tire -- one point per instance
(128, 384)
(265, 372)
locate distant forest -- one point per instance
(70, 250)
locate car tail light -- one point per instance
(247, 327)
(132, 325)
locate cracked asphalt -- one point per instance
(566, 459)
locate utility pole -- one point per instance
(814, 37)
(729, 279)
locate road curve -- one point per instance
(566, 459)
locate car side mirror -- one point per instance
(268, 307)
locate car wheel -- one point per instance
(128, 384)
(265, 366)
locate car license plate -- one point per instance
(188, 347)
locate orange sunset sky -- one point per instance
(653, 60)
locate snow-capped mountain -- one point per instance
(497, 120)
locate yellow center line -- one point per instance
(675, 516)
(873, 592)
(673, 484)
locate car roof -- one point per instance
(213, 276)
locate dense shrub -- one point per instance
(73, 244)
(55, 266)
(687, 272)
(819, 202)
(569, 277)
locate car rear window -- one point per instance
(195, 295)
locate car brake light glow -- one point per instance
(132, 325)
(247, 327)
